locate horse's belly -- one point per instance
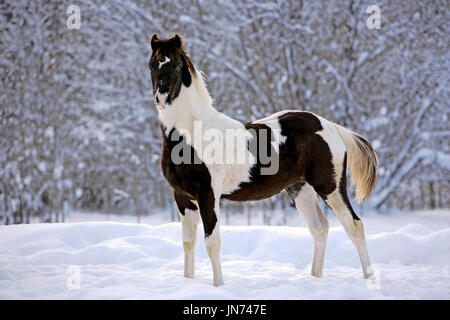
(256, 190)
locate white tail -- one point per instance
(362, 162)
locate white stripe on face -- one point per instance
(163, 63)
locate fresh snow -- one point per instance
(411, 257)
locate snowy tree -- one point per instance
(78, 126)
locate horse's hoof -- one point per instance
(369, 276)
(317, 275)
(218, 284)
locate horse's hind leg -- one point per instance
(338, 201)
(190, 218)
(353, 227)
(305, 199)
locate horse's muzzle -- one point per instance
(161, 100)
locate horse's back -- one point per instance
(296, 144)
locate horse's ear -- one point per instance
(177, 42)
(154, 42)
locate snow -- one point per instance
(116, 260)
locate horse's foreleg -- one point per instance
(190, 218)
(212, 243)
(209, 211)
(189, 223)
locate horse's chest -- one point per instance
(187, 176)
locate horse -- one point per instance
(308, 157)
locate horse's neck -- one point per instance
(192, 105)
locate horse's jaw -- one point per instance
(162, 107)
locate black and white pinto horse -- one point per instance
(313, 155)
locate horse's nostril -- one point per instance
(163, 86)
(157, 99)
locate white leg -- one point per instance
(189, 225)
(306, 203)
(354, 229)
(213, 244)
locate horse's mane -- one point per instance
(202, 89)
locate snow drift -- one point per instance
(111, 260)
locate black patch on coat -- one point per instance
(301, 128)
(294, 189)
(304, 156)
(299, 122)
(190, 181)
(183, 203)
(259, 131)
(261, 186)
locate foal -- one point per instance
(308, 156)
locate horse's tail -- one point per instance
(362, 162)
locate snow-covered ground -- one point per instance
(116, 260)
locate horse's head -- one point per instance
(170, 69)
